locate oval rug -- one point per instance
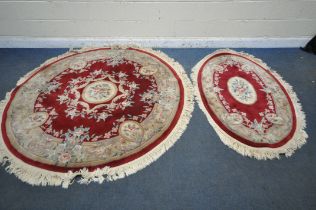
(98, 113)
(252, 109)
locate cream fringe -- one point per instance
(37, 176)
(298, 139)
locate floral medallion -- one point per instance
(98, 113)
(99, 92)
(241, 90)
(252, 109)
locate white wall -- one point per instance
(158, 18)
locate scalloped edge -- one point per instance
(37, 176)
(298, 139)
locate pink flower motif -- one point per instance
(107, 135)
(64, 157)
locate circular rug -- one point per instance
(100, 114)
(252, 109)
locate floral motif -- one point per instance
(36, 119)
(97, 95)
(64, 157)
(150, 96)
(116, 60)
(233, 118)
(99, 92)
(131, 130)
(148, 70)
(273, 118)
(50, 87)
(246, 99)
(242, 90)
(76, 136)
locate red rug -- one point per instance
(101, 114)
(253, 110)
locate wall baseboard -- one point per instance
(37, 42)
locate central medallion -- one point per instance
(99, 92)
(242, 90)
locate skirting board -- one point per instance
(38, 42)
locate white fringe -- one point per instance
(37, 176)
(298, 139)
